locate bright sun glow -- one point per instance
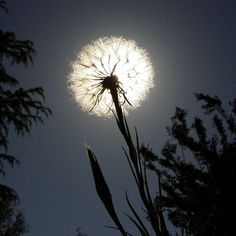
(107, 57)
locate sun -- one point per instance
(106, 62)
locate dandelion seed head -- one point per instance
(106, 62)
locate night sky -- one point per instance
(192, 44)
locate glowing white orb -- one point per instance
(111, 57)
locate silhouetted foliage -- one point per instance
(3, 5)
(19, 109)
(198, 170)
(79, 232)
(12, 222)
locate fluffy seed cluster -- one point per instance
(110, 60)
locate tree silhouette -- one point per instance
(19, 110)
(198, 169)
(12, 221)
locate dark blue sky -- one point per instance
(193, 47)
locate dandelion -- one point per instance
(109, 68)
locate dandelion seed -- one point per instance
(106, 64)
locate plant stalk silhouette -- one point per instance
(138, 170)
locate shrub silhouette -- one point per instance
(19, 109)
(198, 169)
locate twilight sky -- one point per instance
(192, 44)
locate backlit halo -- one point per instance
(108, 58)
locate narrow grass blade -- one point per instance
(103, 190)
(144, 229)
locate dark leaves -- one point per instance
(12, 222)
(4, 158)
(198, 170)
(210, 103)
(19, 108)
(103, 190)
(16, 51)
(3, 5)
